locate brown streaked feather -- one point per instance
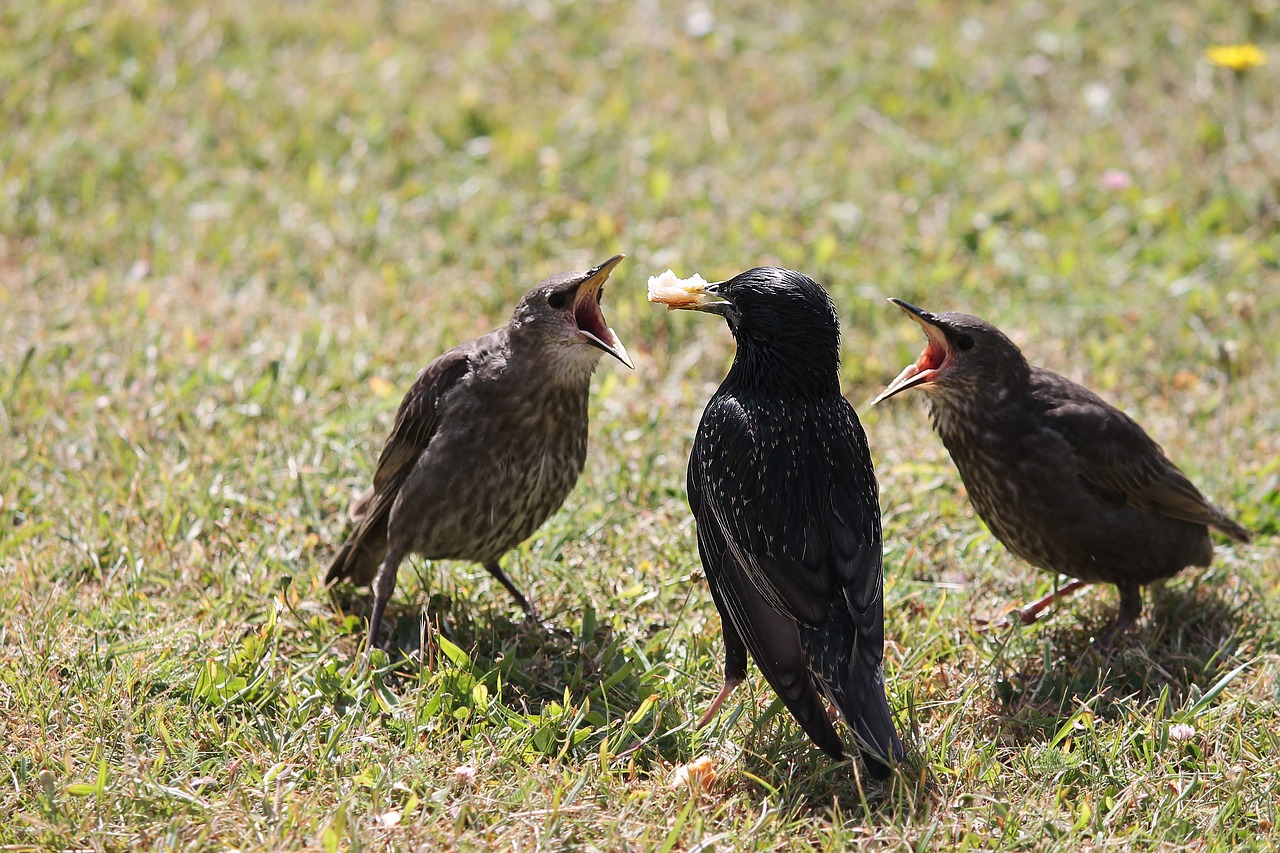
(1117, 457)
(418, 416)
(415, 424)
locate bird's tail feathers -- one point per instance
(360, 557)
(1229, 527)
(847, 664)
(357, 561)
(338, 567)
(876, 735)
(807, 706)
(778, 649)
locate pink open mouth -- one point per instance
(934, 359)
(590, 319)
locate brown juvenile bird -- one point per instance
(1066, 481)
(487, 443)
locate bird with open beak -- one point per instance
(782, 489)
(1064, 479)
(488, 442)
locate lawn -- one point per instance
(231, 233)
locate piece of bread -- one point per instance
(674, 292)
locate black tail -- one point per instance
(776, 645)
(849, 671)
(877, 737)
(796, 690)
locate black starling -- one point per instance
(781, 485)
(1066, 481)
(487, 443)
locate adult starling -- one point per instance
(487, 443)
(1066, 481)
(782, 488)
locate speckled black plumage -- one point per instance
(1064, 479)
(782, 487)
(487, 444)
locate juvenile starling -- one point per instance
(782, 488)
(1066, 481)
(487, 443)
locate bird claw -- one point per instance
(1106, 641)
(549, 628)
(1028, 615)
(999, 623)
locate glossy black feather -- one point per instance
(782, 487)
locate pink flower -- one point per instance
(1115, 179)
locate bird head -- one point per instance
(561, 315)
(784, 322)
(963, 355)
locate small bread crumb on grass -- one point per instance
(697, 774)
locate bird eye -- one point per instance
(964, 343)
(558, 300)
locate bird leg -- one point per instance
(735, 659)
(1130, 609)
(1031, 612)
(730, 684)
(383, 585)
(530, 612)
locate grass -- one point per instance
(231, 233)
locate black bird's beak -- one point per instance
(935, 355)
(589, 317)
(713, 299)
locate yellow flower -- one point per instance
(1237, 57)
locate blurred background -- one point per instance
(231, 233)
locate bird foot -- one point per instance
(1106, 641)
(1029, 614)
(1017, 617)
(1003, 621)
(1130, 610)
(730, 685)
(1026, 615)
(548, 627)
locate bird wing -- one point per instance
(847, 652)
(418, 417)
(747, 494)
(711, 549)
(1119, 460)
(753, 622)
(415, 425)
(802, 528)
